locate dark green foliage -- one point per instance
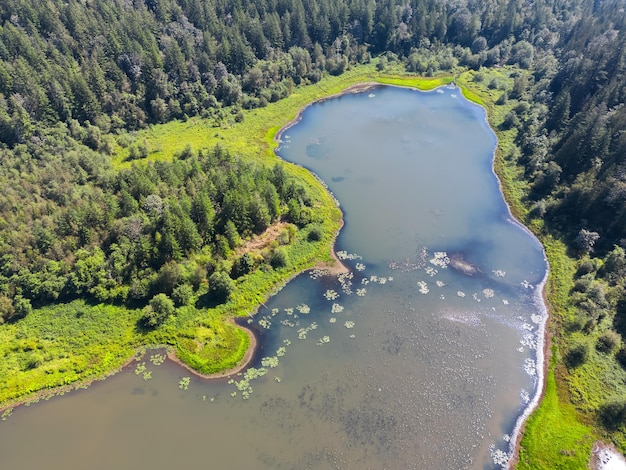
(157, 311)
(182, 295)
(315, 234)
(577, 355)
(220, 286)
(612, 414)
(608, 341)
(242, 265)
(621, 356)
(279, 258)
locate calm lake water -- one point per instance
(408, 364)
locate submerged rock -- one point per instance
(458, 262)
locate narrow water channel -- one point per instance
(424, 357)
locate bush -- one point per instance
(315, 234)
(608, 341)
(242, 266)
(577, 355)
(182, 295)
(612, 413)
(157, 311)
(621, 356)
(220, 286)
(279, 258)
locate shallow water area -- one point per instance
(404, 363)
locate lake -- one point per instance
(424, 357)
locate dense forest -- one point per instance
(78, 77)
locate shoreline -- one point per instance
(248, 357)
(543, 332)
(356, 88)
(520, 424)
(334, 267)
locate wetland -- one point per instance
(426, 354)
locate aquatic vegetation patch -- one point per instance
(345, 279)
(530, 367)
(336, 308)
(431, 271)
(323, 340)
(343, 255)
(331, 294)
(140, 368)
(529, 340)
(157, 359)
(243, 385)
(6, 414)
(303, 309)
(303, 332)
(440, 259)
(537, 319)
(498, 456)
(270, 362)
(184, 382)
(317, 273)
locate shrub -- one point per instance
(182, 295)
(242, 266)
(279, 258)
(621, 356)
(157, 311)
(315, 234)
(577, 355)
(612, 413)
(608, 341)
(220, 286)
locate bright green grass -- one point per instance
(254, 137)
(554, 437)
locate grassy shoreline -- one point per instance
(255, 139)
(65, 346)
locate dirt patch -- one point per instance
(259, 242)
